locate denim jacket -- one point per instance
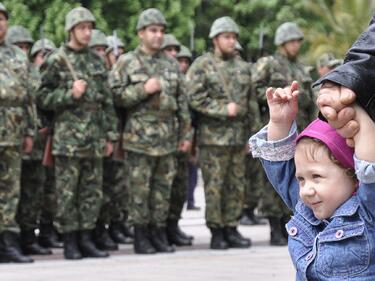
(340, 248)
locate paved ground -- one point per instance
(260, 262)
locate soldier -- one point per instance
(184, 58)
(99, 43)
(147, 83)
(218, 86)
(170, 47)
(280, 70)
(326, 62)
(32, 171)
(15, 137)
(74, 86)
(115, 49)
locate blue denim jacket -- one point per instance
(341, 248)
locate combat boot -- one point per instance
(277, 238)
(29, 244)
(87, 246)
(127, 230)
(235, 239)
(102, 239)
(142, 244)
(10, 250)
(48, 237)
(71, 251)
(249, 218)
(158, 239)
(217, 239)
(117, 235)
(173, 235)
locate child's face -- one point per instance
(324, 186)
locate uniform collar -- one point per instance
(138, 50)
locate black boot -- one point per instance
(283, 221)
(29, 244)
(10, 250)
(277, 238)
(117, 235)
(217, 239)
(173, 235)
(158, 239)
(102, 239)
(71, 251)
(87, 246)
(48, 237)
(142, 244)
(235, 239)
(127, 230)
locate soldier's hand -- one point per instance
(28, 144)
(108, 148)
(232, 109)
(79, 88)
(184, 146)
(152, 86)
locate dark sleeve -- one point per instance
(358, 71)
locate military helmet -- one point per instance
(111, 43)
(328, 59)
(170, 40)
(18, 34)
(223, 24)
(286, 32)
(76, 16)
(98, 38)
(149, 17)
(238, 46)
(184, 53)
(41, 44)
(4, 10)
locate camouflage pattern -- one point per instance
(185, 53)
(170, 40)
(4, 10)
(149, 17)
(154, 123)
(329, 60)
(278, 71)
(76, 16)
(149, 180)
(223, 171)
(78, 211)
(223, 24)
(10, 170)
(287, 31)
(18, 34)
(254, 187)
(179, 187)
(81, 127)
(98, 38)
(271, 203)
(49, 200)
(42, 44)
(111, 45)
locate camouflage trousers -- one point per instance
(32, 185)
(79, 192)
(49, 201)
(10, 173)
(149, 179)
(223, 171)
(254, 183)
(115, 193)
(179, 187)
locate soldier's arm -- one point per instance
(261, 79)
(110, 117)
(183, 114)
(29, 106)
(125, 93)
(198, 96)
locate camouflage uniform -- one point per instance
(213, 82)
(81, 128)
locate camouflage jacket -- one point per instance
(81, 127)
(155, 123)
(16, 116)
(277, 71)
(209, 96)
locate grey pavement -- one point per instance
(261, 262)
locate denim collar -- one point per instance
(349, 207)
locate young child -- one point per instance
(332, 233)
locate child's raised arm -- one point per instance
(364, 140)
(283, 108)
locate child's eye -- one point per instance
(316, 176)
(300, 179)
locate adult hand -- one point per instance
(232, 109)
(108, 148)
(79, 88)
(28, 144)
(184, 146)
(152, 86)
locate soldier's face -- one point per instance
(171, 51)
(39, 58)
(100, 50)
(225, 43)
(152, 36)
(184, 64)
(25, 47)
(3, 26)
(81, 33)
(292, 48)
